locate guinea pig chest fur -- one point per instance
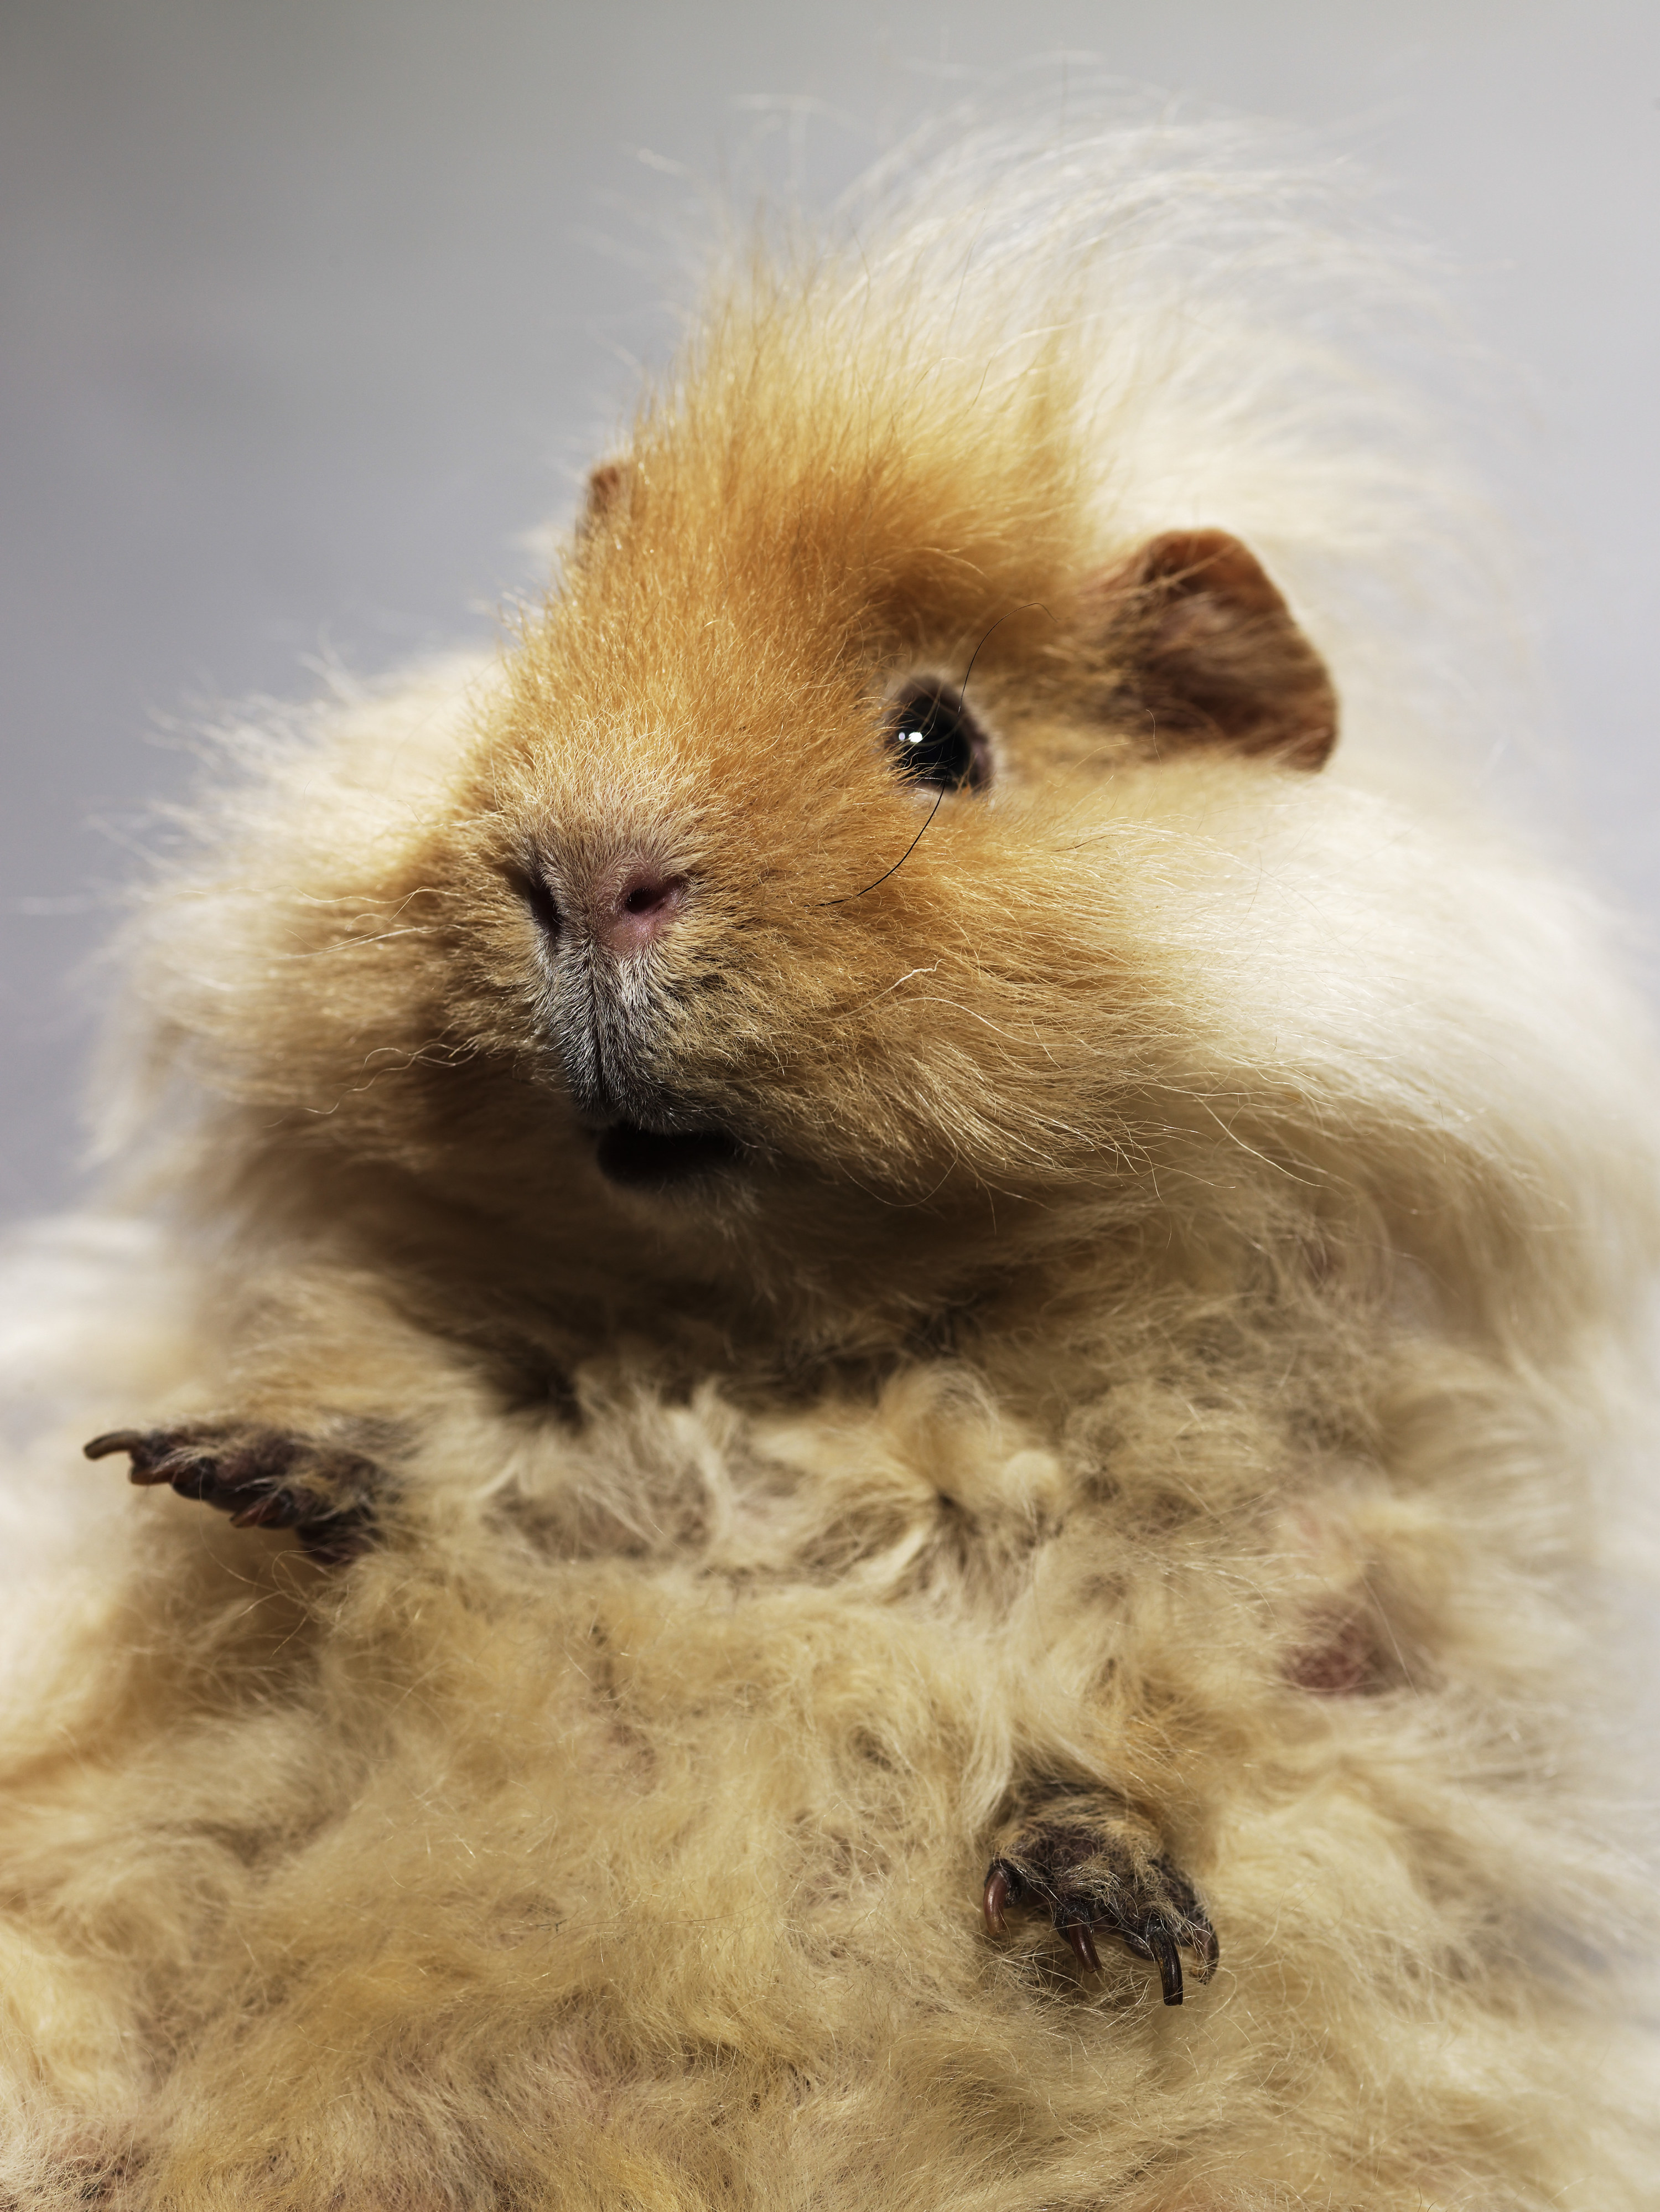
(877, 1312)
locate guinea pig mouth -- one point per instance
(652, 1159)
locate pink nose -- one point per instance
(635, 904)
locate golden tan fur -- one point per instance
(1163, 1352)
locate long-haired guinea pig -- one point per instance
(879, 1330)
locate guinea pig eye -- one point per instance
(934, 741)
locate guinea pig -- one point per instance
(875, 1333)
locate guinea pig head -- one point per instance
(804, 813)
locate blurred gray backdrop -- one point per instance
(312, 310)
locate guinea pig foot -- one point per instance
(1102, 1878)
(262, 1478)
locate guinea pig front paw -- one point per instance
(1097, 1871)
(263, 1478)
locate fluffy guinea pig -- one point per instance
(876, 1333)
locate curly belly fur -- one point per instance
(575, 1862)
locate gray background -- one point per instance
(311, 311)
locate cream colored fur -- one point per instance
(1173, 1340)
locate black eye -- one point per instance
(934, 741)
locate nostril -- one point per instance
(644, 898)
(533, 889)
(639, 902)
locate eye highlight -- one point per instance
(934, 741)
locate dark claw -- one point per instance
(996, 1897)
(1161, 1942)
(118, 1440)
(1078, 1935)
(146, 1475)
(156, 1459)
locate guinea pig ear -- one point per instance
(609, 486)
(1208, 650)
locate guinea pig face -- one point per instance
(809, 843)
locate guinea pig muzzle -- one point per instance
(607, 1011)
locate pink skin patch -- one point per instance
(1343, 1663)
